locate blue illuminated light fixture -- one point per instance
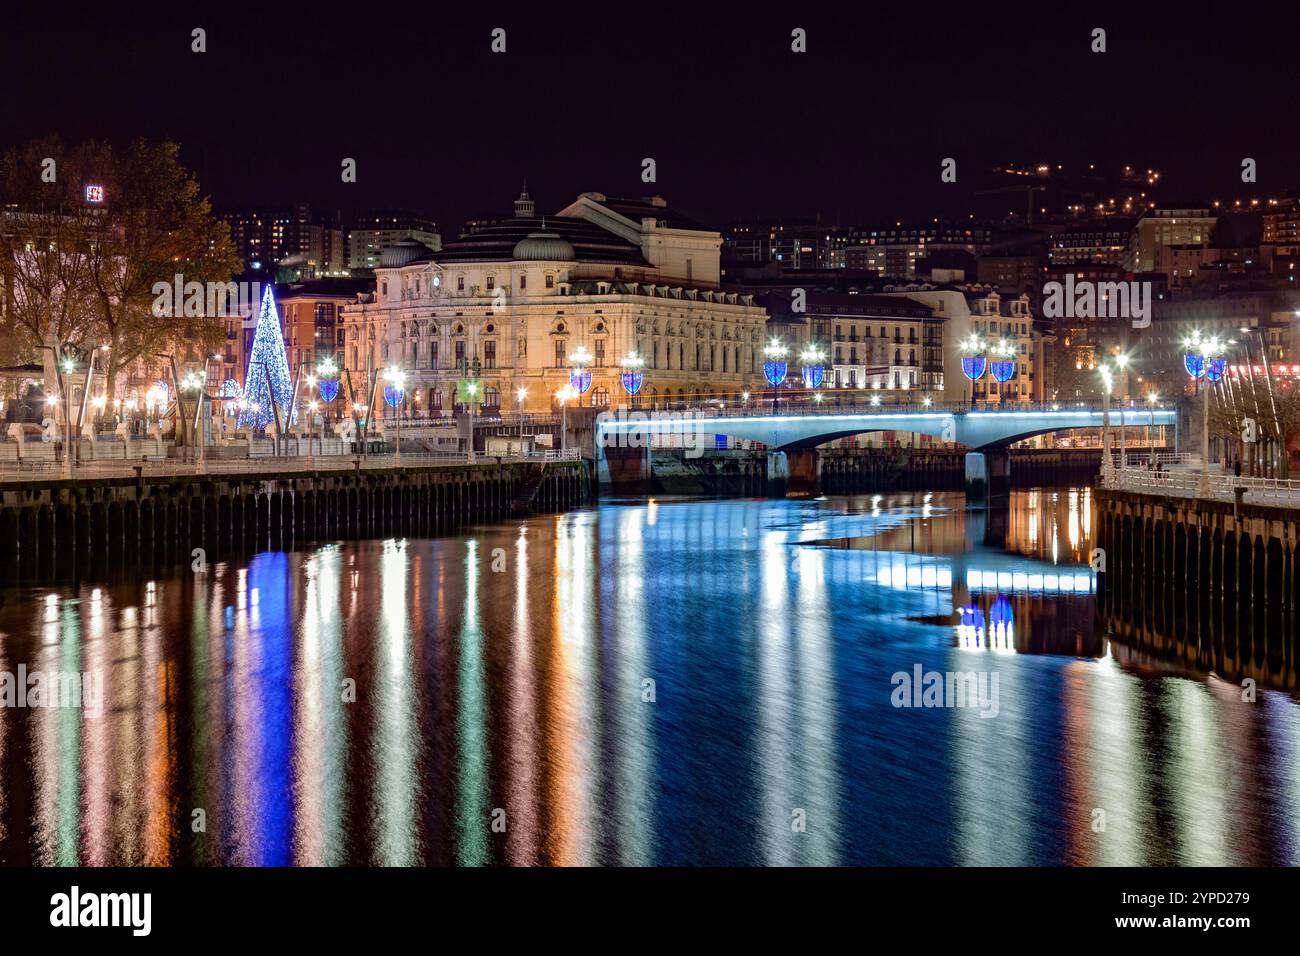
(633, 378)
(395, 390)
(1200, 359)
(1004, 361)
(814, 373)
(775, 368)
(327, 372)
(974, 363)
(580, 376)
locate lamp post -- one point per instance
(775, 368)
(394, 395)
(311, 431)
(1153, 399)
(565, 395)
(974, 362)
(1200, 353)
(580, 375)
(814, 373)
(1122, 361)
(633, 377)
(1003, 365)
(194, 383)
(1107, 382)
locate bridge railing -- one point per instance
(269, 465)
(761, 408)
(1195, 484)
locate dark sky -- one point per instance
(738, 124)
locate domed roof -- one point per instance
(543, 244)
(400, 253)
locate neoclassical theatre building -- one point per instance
(522, 295)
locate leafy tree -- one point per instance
(45, 291)
(156, 226)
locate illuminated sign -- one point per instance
(94, 193)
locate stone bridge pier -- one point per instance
(795, 471)
(988, 474)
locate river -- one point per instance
(877, 680)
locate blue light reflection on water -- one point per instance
(653, 682)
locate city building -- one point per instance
(369, 235)
(981, 311)
(1164, 228)
(867, 341)
(896, 250)
(519, 298)
(306, 244)
(1103, 240)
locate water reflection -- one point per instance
(667, 682)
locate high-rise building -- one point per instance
(374, 232)
(307, 245)
(1162, 228)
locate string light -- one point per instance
(268, 368)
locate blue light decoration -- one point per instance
(970, 625)
(974, 366)
(1215, 369)
(1004, 365)
(394, 396)
(580, 379)
(813, 376)
(268, 370)
(632, 382)
(229, 392)
(774, 372)
(329, 389)
(1002, 620)
(1194, 362)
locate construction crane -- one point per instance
(1029, 189)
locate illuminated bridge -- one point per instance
(792, 437)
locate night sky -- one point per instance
(738, 124)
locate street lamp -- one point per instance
(1003, 365)
(775, 368)
(1122, 361)
(565, 395)
(974, 361)
(311, 429)
(1107, 383)
(394, 395)
(633, 376)
(580, 375)
(1201, 353)
(814, 373)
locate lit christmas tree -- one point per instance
(268, 369)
